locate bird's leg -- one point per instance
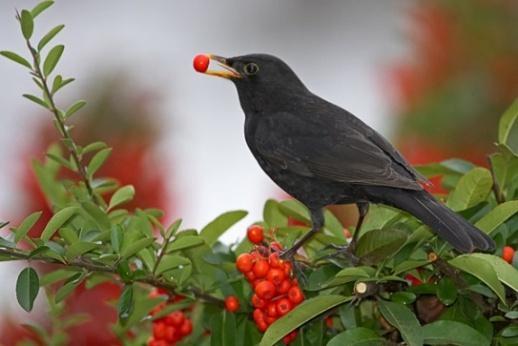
(317, 221)
(363, 209)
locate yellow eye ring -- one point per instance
(250, 69)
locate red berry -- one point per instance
(276, 246)
(329, 322)
(171, 334)
(271, 310)
(261, 268)
(250, 276)
(276, 276)
(244, 262)
(265, 290)
(508, 254)
(269, 319)
(201, 63)
(287, 268)
(186, 327)
(231, 303)
(258, 302)
(175, 318)
(262, 326)
(274, 260)
(295, 295)
(290, 337)
(159, 330)
(255, 234)
(258, 316)
(284, 287)
(413, 280)
(284, 306)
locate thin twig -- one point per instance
(82, 262)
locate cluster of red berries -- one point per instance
(276, 291)
(172, 328)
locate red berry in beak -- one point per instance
(201, 63)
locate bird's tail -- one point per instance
(448, 225)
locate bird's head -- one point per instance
(261, 80)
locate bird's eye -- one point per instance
(251, 69)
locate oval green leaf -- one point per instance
(42, 6)
(184, 243)
(379, 244)
(505, 272)
(481, 269)
(445, 332)
(508, 128)
(97, 161)
(300, 315)
(497, 216)
(74, 108)
(52, 59)
(79, 248)
(56, 221)
(27, 287)
(49, 36)
(16, 58)
(404, 320)
(472, 189)
(26, 225)
(126, 303)
(220, 225)
(27, 24)
(357, 337)
(122, 195)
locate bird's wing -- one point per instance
(305, 147)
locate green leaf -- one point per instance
(272, 215)
(122, 195)
(56, 221)
(27, 24)
(497, 216)
(481, 269)
(27, 287)
(79, 248)
(126, 303)
(508, 128)
(56, 276)
(505, 272)
(444, 332)
(446, 291)
(135, 247)
(472, 188)
(403, 297)
(220, 225)
(357, 337)
(26, 225)
(404, 320)
(16, 58)
(301, 314)
(170, 262)
(57, 86)
(49, 36)
(116, 238)
(379, 244)
(74, 108)
(97, 161)
(184, 243)
(93, 147)
(36, 100)
(69, 286)
(42, 6)
(52, 59)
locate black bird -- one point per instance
(321, 154)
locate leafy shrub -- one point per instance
(409, 288)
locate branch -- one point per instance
(63, 128)
(84, 263)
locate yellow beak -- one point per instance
(227, 72)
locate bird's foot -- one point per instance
(344, 252)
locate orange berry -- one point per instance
(276, 276)
(262, 326)
(287, 268)
(250, 276)
(244, 262)
(258, 316)
(255, 234)
(295, 295)
(231, 303)
(201, 62)
(261, 268)
(265, 290)
(508, 254)
(284, 306)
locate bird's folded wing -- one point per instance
(336, 153)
